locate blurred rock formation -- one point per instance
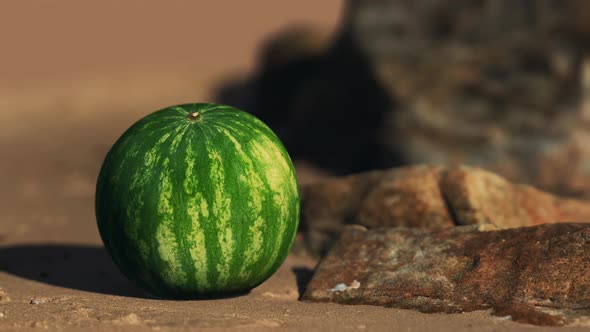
(499, 84)
(491, 83)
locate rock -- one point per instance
(409, 196)
(288, 294)
(475, 196)
(129, 319)
(40, 325)
(505, 95)
(39, 300)
(404, 196)
(427, 196)
(307, 173)
(4, 296)
(538, 275)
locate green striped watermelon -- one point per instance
(197, 200)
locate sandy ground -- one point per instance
(74, 76)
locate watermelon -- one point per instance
(197, 200)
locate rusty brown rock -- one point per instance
(427, 196)
(476, 196)
(409, 196)
(398, 197)
(538, 274)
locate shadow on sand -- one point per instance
(86, 268)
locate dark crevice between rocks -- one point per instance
(303, 276)
(446, 198)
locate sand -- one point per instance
(74, 76)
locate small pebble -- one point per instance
(342, 287)
(38, 301)
(338, 288)
(39, 324)
(1, 315)
(4, 296)
(130, 319)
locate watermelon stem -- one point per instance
(193, 116)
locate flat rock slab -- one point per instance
(427, 196)
(538, 275)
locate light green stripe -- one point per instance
(252, 251)
(276, 174)
(220, 208)
(251, 180)
(198, 212)
(168, 244)
(133, 224)
(135, 207)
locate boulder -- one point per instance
(538, 274)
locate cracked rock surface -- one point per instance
(538, 275)
(429, 197)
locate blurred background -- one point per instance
(349, 85)
(74, 75)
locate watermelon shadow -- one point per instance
(86, 268)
